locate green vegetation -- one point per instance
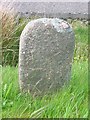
(70, 102)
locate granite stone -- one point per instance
(45, 55)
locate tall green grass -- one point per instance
(70, 102)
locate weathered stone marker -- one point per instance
(45, 56)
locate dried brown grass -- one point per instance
(7, 27)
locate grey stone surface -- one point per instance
(45, 56)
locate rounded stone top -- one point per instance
(59, 24)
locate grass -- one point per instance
(70, 102)
(81, 31)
